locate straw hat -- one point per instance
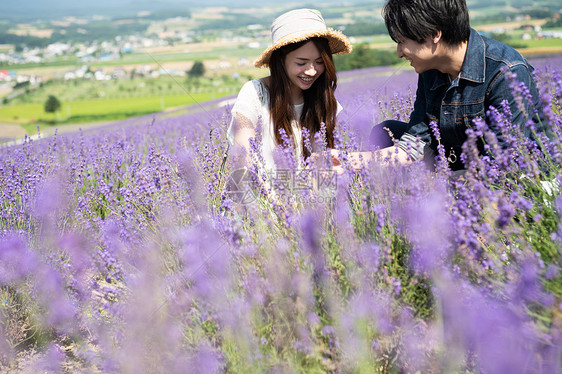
(298, 25)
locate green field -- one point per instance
(81, 90)
(99, 110)
(534, 43)
(91, 100)
(544, 43)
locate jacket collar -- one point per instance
(473, 69)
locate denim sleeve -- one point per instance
(417, 138)
(517, 86)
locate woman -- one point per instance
(299, 92)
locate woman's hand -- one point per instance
(336, 164)
(315, 158)
(335, 157)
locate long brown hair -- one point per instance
(320, 103)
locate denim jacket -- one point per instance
(454, 105)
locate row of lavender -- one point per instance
(127, 250)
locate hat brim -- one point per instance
(339, 44)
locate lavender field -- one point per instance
(140, 248)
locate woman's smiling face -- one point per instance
(303, 66)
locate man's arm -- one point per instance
(417, 138)
(412, 144)
(523, 101)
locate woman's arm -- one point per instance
(387, 155)
(243, 130)
(245, 117)
(357, 160)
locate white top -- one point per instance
(252, 108)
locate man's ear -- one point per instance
(436, 36)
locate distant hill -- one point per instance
(31, 10)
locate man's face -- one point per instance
(420, 55)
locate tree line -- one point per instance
(363, 57)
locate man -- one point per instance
(461, 74)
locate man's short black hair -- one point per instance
(418, 19)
